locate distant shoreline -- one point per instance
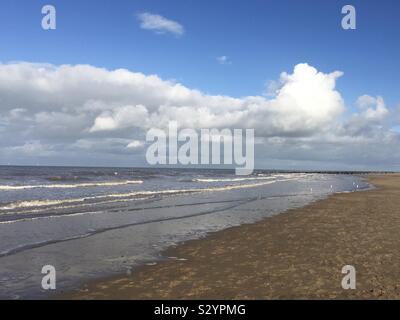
(169, 167)
(298, 254)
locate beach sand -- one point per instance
(298, 254)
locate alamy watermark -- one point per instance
(349, 280)
(49, 21)
(203, 147)
(349, 20)
(49, 280)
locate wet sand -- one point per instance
(298, 254)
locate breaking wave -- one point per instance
(70, 186)
(122, 196)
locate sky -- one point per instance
(318, 96)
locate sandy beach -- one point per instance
(298, 254)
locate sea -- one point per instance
(91, 223)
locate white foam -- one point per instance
(77, 201)
(233, 179)
(69, 186)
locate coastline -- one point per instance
(294, 255)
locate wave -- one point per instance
(122, 196)
(69, 186)
(27, 217)
(232, 179)
(259, 177)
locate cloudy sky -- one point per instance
(318, 96)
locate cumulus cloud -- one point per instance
(159, 24)
(374, 108)
(371, 120)
(307, 102)
(121, 117)
(81, 109)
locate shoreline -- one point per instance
(294, 255)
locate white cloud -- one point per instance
(374, 107)
(159, 24)
(120, 118)
(370, 121)
(365, 101)
(306, 102)
(135, 144)
(84, 109)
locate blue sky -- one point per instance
(318, 119)
(261, 38)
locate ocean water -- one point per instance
(95, 222)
